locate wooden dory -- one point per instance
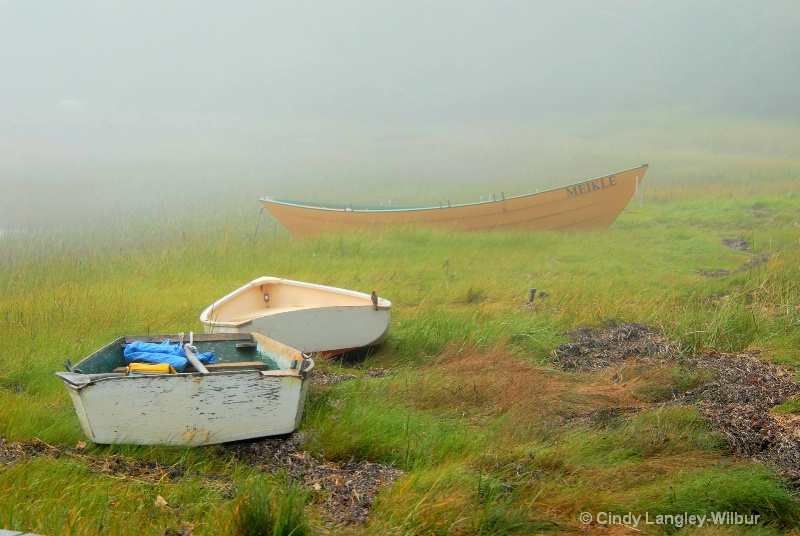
(307, 316)
(258, 388)
(588, 204)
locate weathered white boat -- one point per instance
(257, 388)
(306, 316)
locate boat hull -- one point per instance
(589, 204)
(306, 316)
(190, 408)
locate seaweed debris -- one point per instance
(349, 487)
(737, 400)
(751, 263)
(594, 350)
(739, 244)
(738, 404)
(319, 377)
(115, 465)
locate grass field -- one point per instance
(489, 433)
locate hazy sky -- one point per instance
(376, 60)
(306, 98)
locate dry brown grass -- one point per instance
(497, 382)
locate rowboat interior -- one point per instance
(256, 388)
(270, 296)
(233, 352)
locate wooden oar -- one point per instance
(193, 360)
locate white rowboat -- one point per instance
(309, 317)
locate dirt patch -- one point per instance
(593, 350)
(349, 488)
(737, 243)
(751, 263)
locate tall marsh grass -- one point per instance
(472, 408)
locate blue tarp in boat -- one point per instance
(165, 352)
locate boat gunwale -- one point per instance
(346, 207)
(79, 380)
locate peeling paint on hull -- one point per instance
(192, 408)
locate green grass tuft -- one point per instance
(267, 510)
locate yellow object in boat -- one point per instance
(150, 368)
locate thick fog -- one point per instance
(280, 87)
(393, 60)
